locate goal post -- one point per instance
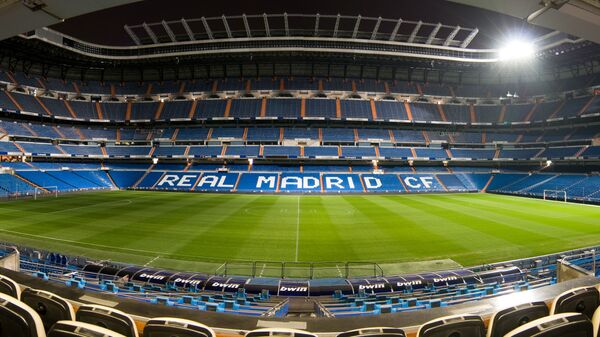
(559, 195)
(52, 190)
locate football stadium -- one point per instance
(299, 169)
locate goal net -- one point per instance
(555, 195)
(45, 191)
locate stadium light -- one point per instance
(548, 163)
(516, 50)
(154, 160)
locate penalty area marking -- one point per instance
(80, 243)
(149, 262)
(262, 270)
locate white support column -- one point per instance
(266, 20)
(188, 30)
(286, 24)
(317, 24)
(150, 33)
(433, 33)
(226, 25)
(356, 25)
(376, 28)
(395, 31)
(469, 38)
(337, 25)
(207, 28)
(246, 25)
(415, 31)
(132, 35)
(452, 36)
(168, 30)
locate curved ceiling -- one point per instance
(580, 18)
(21, 16)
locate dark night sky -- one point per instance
(106, 27)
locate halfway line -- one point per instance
(297, 229)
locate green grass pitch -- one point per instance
(201, 231)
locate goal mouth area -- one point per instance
(45, 191)
(557, 195)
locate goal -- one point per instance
(555, 195)
(45, 190)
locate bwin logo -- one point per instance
(190, 282)
(152, 277)
(372, 286)
(409, 283)
(225, 285)
(445, 279)
(298, 289)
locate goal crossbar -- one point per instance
(50, 189)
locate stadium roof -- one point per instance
(577, 17)
(20, 16)
(492, 26)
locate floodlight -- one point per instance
(548, 163)
(154, 160)
(516, 50)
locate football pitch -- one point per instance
(201, 232)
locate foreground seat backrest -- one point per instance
(176, 327)
(51, 308)
(9, 287)
(278, 332)
(508, 319)
(456, 325)
(80, 329)
(569, 324)
(375, 331)
(583, 300)
(109, 318)
(17, 319)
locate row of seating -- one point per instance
(277, 151)
(382, 110)
(425, 298)
(294, 84)
(38, 313)
(50, 177)
(329, 135)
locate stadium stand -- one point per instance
(225, 126)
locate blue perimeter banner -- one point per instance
(251, 182)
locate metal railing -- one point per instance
(303, 270)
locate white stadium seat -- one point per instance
(456, 325)
(278, 332)
(109, 318)
(561, 325)
(51, 308)
(176, 327)
(9, 287)
(17, 319)
(583, 300)
(511, 318)
(375, 331)
(80, 329)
